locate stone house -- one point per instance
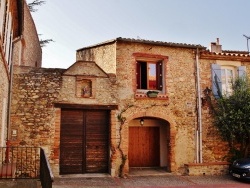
(97, 116)
(20, 46)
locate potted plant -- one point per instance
(152, 94)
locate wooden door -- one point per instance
(96, 141)
(144, 147)
(84, 141)
(72, 142)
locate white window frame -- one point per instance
(236, 67)
(8, 39)
(227, 82)
(2, 17)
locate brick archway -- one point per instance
(151, 114)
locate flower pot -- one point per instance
(152, 94)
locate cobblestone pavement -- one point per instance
(167, 180)
(19, 183)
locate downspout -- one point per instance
(9, 102)
(199, 118)
(7, 152)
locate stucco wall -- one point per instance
(4, 85)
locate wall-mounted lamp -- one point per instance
(141, 122)
(207, 91)
(206, 96)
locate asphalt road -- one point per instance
(169, 180)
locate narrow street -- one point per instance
(167, 180)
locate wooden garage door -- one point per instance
(84, 141)
(144, 147)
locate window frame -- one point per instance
(227, 84)
(238, 70)
(143, 75)
(2, 17)
(160, 62)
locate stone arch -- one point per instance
(151, 114)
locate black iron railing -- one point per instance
(25, 163)
(46, 175)
(19, 162)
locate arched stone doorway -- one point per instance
(149, 143)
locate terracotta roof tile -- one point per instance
(158, 43)
(228, 53)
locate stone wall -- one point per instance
(179, 108)
(38, 94)
(32, 111)
(214, 149)
(219, 168)
(101, 54)
(103, 84)
(35, 121)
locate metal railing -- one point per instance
(46, 176)
(25, 163)
(19, 162)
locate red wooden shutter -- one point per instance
(138, 75)
(159, 75)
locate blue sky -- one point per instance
(74, 24)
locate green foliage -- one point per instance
(43, 43)
(31, 6)
(232, 117)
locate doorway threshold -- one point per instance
(148, 171)
(87, 175)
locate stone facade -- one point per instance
(104, 77)
(34, 93)
(219, 168)
(178, 109)
(35, 119)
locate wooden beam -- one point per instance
(86, 106)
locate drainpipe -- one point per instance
(9, 103)
(199, 118)
(7, 158)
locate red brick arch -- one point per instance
(152, 114)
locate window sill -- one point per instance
(144, 96)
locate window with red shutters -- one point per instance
(150, 72)
(149, 75)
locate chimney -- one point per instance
(216, 47)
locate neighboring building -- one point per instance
(27, 49)
(20, 46)
(96, 115)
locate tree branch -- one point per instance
(35, 3)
